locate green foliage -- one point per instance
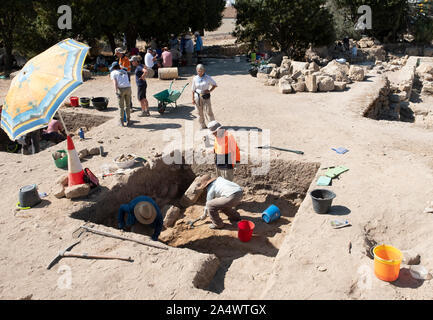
(389, 16)
(289, 26)
(31, 26)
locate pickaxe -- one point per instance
(106, 234)
(281, 149)
(65, 253)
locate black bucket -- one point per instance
(29, 196)
(85, 102)
(100, 103)
(322, 200)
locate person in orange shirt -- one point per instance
(123, 59)
(227, 153)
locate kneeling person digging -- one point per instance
(144, 210)
(222, 195)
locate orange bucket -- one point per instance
(387, 260)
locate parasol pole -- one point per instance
(63, 122)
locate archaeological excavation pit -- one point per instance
(285, 186)
(73, 120)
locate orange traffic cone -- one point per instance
(76, 172)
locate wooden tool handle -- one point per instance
(85, 255)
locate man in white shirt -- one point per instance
(150, 61)
(222, 195)
(122, 87)
(202, 86)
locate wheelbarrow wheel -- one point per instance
(161, 107)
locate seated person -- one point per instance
(144, 210)
(100, 63)
(54, 131)
(167, 58)
(150, 60)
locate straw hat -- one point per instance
(135, 58)
(213, 126)
(205, 181)
(145, 212)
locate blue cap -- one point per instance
(114, 64)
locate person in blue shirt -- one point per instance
(198, 46)
(140, 78)
(144, 210)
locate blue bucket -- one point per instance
(271, 214)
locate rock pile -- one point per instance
(371, 49)
(295, 76)
(425, 74)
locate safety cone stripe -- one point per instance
(76, 172)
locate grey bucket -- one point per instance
(322, 200)
(29, 196)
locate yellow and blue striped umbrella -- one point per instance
(37, 92)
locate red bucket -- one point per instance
(74, 101)
(245, 230)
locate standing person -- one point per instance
(123, 59)
(150, 61)
(182, 44)
(189, 49)
(176, 56)
(167, 58)
(140, 78)
(227, 153)
(30, 142)
(222, 195)
(153, 43)
(173, 42)
(202, 86)
(144, 210)
(122, 87)
(198, 46)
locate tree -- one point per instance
(389, 17)
(15, 21)
(290, 26)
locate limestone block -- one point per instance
(171, 216)
(311, 83)
(326, 84)
(299, 66)
(58, 191)
(192, 194)
(299, 86)
(356, 73)
(63, 180)
(340, 86)
(77, 191)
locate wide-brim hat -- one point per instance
(145, 212)
(114, 64)
(205, 181)
(135, 58)
(213, 126)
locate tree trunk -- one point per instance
(8, 57)
(111, 40)
(131, 38)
